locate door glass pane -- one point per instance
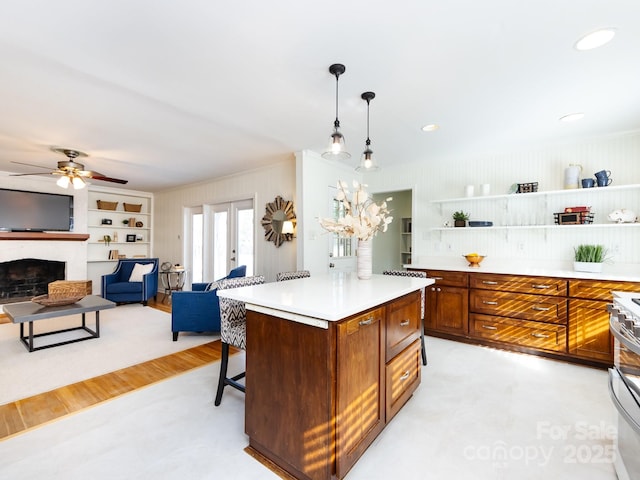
(220, 244)
(245, 239)
(196, 249)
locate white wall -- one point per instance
(262, 184)
(435, 180)
(315, 177)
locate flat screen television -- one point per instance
(23, 211)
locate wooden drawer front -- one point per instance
(517, 283)
(520, 332)
(403, 323)
(597, 290)
(402, 378)
(518, 305)
(452, 279)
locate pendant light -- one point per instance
(336, 150)
(367, 162)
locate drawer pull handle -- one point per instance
(540, 287)
(438, 278)
(368, 321)
(486, 302)
(405, 376)
(540, 335)
(489, 282)
(404, 323)
(541, 309)
(489, 327)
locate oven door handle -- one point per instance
(614, 372)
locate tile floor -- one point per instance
(479, 414)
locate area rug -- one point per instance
(129, 334)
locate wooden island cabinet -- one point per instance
(325, 373)
(563, 318)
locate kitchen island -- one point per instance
(330, 360)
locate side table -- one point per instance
(172, 281)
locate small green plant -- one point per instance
(590, 253)
(460, 215)
(125, 221)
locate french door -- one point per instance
(222, 238)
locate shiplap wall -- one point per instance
(434, 180)
(262, 184)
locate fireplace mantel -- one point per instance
(62, 236)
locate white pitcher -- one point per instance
(572, 176)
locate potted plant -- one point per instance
(589, 258)
(460, 218)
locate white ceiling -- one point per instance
(171, 92)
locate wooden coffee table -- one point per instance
(29, 312)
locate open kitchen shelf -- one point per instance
(522, 196)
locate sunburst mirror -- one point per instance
(278, 220)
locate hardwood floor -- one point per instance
(17, 417)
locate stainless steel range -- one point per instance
(624, 381)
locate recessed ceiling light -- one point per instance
(595, 39)
(572, 117)
(431, 127)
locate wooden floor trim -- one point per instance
(27, 413)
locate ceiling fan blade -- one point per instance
(31, 165)
(26, 174)
(99, 176)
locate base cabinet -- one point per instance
(313, 411)
(447, 303)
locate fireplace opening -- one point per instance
(21, 280)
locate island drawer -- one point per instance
(519, 332)
(520, 284)
(403, 323)
(402, 378)
(518, 305)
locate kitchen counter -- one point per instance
(613, 272)
(320, 299)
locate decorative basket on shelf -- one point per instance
(132, 207)
(102, 205)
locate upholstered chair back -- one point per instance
(282, 276)
(233, 314)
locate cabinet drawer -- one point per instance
(519, 332)
(519, 305)
(403, 323)
(452, 279)
(599, 290)
(517, 283)
(402, 378)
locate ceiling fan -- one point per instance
(70, 171)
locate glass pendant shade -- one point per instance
(367, 162)
(336, 149)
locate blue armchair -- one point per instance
(198, 310)
(120, 287)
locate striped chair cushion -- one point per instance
(292, 275)
(233, 314)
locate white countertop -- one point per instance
(613, 272)
(324, 298)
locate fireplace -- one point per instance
(23, 279)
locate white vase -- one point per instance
(591, 267)
(365, 259)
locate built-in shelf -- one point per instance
(68, 237)
(539, 227)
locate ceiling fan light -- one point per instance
(78, 183)
(63, 181)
